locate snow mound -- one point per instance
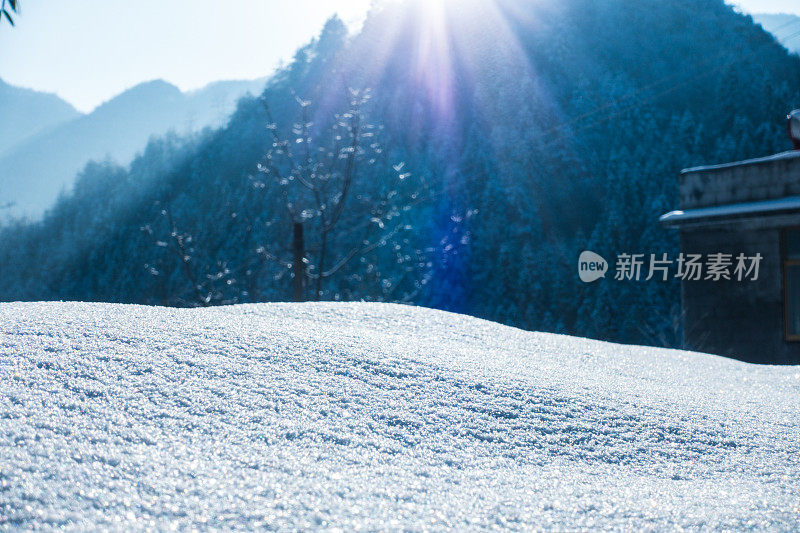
(369, 416)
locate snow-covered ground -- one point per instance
(361, 416)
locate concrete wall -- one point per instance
(743, 320)
(768, 178)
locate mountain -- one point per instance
(527, 132)
(35, 171)
(785, 28)
(372, 417)
(27, 112)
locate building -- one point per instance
(749, 209)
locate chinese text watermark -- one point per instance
(661, 267)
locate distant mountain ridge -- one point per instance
(34, 171)
(783, 26)
(27, 112)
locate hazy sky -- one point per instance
(88, 51)
(770, 6)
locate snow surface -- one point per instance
(367, 416)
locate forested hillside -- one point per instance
(499, 140)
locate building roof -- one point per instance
(779, 206)
(794, 154)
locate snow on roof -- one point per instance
(794, 154)
(378, 417)
(733, 211)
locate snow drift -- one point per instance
(366, 416)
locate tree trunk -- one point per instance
(299, 264)
(323, 252)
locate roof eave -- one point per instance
(731, 212)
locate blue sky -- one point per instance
(88, 51)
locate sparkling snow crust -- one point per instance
(378, 417)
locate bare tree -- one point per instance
(203, 281)
(342, 198)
